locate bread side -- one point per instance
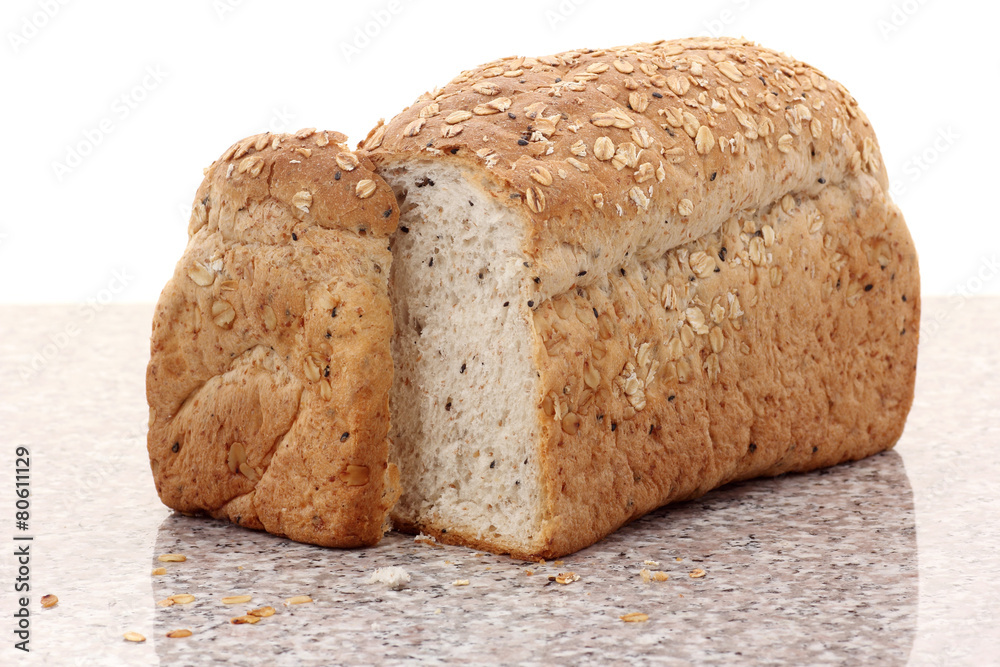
(715, 280)
(673, 377)
(270, 367)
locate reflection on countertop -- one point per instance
(890, 560)
(804, 569)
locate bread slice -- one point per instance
(625, 277)
(270, 367)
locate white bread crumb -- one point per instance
(393, 577)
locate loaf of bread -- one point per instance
(620, 278)
(625, 277)
(269, 371)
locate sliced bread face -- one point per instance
(656, 269)
(465, 425)
(270, 366)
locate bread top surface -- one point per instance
(312, 173)
(627, 152)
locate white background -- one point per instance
(197, 75)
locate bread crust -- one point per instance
(802, 359)
(722, 137)
(270, 365)
(631, 169)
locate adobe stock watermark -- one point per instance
(899, 15)
(122, 106)
(378, 21)
(720, 24)
(984, 274)
(278, 121)
(561, 12)
(918, 164)
(33, 23)
(223, 8)
(55, 343)
(93, 480)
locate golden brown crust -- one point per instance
(270, 366)
(627, 152)
(624, 163)
(458, 539)
(797, 351)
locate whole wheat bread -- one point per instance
(620, 278)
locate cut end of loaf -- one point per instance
(269, 370)
(464, 396)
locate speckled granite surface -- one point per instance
(893, 560)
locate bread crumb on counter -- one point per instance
(244, 620)
(262, 612)
(655, 575)
(428, 540)
(635, 617)
(171, 558)
(394, 577)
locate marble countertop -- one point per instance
(893, 560)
